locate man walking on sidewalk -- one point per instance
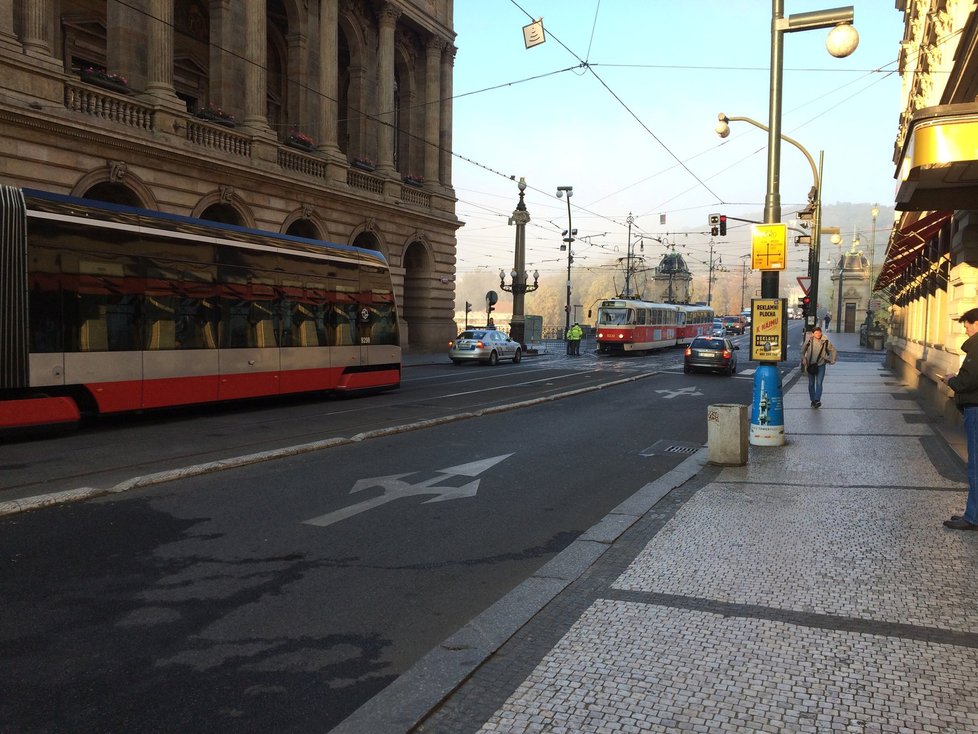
(965, 386)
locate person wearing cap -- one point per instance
(817, 352)
(965, 386)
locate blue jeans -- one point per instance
(815, 384)
(971, 436)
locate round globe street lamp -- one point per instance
(767, 414)
(569, 239)
(518, 286)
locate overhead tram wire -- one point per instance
(620, 101)
(583, 64)
(587, 65)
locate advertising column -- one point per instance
(768, 344)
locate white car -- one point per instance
(484, 345)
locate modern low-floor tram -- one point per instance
(107, 308)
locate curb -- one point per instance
(13, 507)
(418, 691)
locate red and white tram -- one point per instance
(694, 321)
(107, 308)
(627, 325)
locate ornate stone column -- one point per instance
(7, 36)
(36, 42)
(328, 74)
(385, 88)
(255, 51)
(432, 109)
(447, 71)
(159, 67)
(220, 76)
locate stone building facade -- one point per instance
(930, 274)
(329, 119)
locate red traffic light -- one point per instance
(723, 225)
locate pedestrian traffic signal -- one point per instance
(804, 304)
(714, 224)
(723, 225)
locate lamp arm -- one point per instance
(794, 142)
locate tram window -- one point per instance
(102, 307)
(343, 315)
(382, 326)
(44, 309)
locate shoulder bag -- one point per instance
(812, 368)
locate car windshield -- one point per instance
(708, 344)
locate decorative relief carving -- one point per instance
(388, 14)
(227, 194)
(117, 171)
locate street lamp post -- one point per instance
(838, 312)
(569, 239)
(875, 211)
(767, 421)
(628, 259)
(519, 287)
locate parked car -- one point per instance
(734, 324)
(711, 353)
(484, 345)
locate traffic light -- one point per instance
(723, 225)
(714, 224)
(804, 304)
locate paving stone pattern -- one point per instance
(812, 590)
(866, 553)
(627, 667)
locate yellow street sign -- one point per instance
(768, 246)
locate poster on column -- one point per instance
(769, 330)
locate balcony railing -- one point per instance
(364, 181)
(218, 137)
(411, 195)
(109, 106)
(293, 160)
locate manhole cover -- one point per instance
(660, 448)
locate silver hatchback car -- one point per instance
(484, 345)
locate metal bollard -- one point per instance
(727, 432)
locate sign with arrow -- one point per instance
(394, 487)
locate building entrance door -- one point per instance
(850, 318)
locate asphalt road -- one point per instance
(112, 449)
(284, 594)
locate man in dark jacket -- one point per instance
(965, 386)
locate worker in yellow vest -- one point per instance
(574, 334)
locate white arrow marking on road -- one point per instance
(687, 391)
(394, 489)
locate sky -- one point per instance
(621, 103)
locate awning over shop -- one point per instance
(910, 235)
(939, 166)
